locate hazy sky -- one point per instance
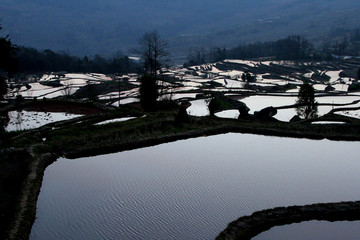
(107, 26)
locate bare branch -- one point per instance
(153, 51)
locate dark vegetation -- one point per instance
(291, 48)
(91, 91)
(4, 120)
(148, 92)
(153, 50)
(220, 102)
(14, 167)
(35, 61)
(8, 62)
(17, 62)
(247, 227)
(306, 100)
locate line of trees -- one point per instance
(291, 48)
(8, 66)
(31, 60)
(347, 43)
(8, 62)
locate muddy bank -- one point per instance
(343, 132)
(57, 106)
(249, 226)
(24, 215)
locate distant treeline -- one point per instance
(346, 44)
(31, 60)
(290, 48)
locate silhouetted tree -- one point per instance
(8, 63)
(3, 87)
(248, 77)
(148, 92)
(33, 61)
(153, 51)
(196, 57)
(182, 115)
(291, 48)
(307, 106)
(217, 54)
(213, 106)
(92, 92)
(4, 120)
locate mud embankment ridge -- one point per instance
(248, 227)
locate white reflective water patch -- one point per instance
(115, 120)
(328, 122)
(24, 120)
(233, 114)
(198, 108)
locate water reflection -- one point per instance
(4, 120)
(190, 189)
(313, 230)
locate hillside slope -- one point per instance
(104, 27)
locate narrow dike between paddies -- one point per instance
(248, 227)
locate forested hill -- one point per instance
(106, 26)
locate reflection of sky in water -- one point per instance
(22, 120)
(124, 119)
(73, 81)
(256, 103)
(190, 189)
(234, 114)
(354, 114)
(198, 108)
(313, 230)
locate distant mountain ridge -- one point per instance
(106, 27)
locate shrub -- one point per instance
(307, 106)
(148, 92)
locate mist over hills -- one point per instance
(107, 27)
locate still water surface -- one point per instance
(190, 189)
(313, 230)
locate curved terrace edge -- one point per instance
(247, 227)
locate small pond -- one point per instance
(190, 189)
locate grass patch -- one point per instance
(13, 170)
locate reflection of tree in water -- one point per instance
(19, 120)
(4, 120)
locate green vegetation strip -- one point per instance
(248, 227)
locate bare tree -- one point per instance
(153, 51)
